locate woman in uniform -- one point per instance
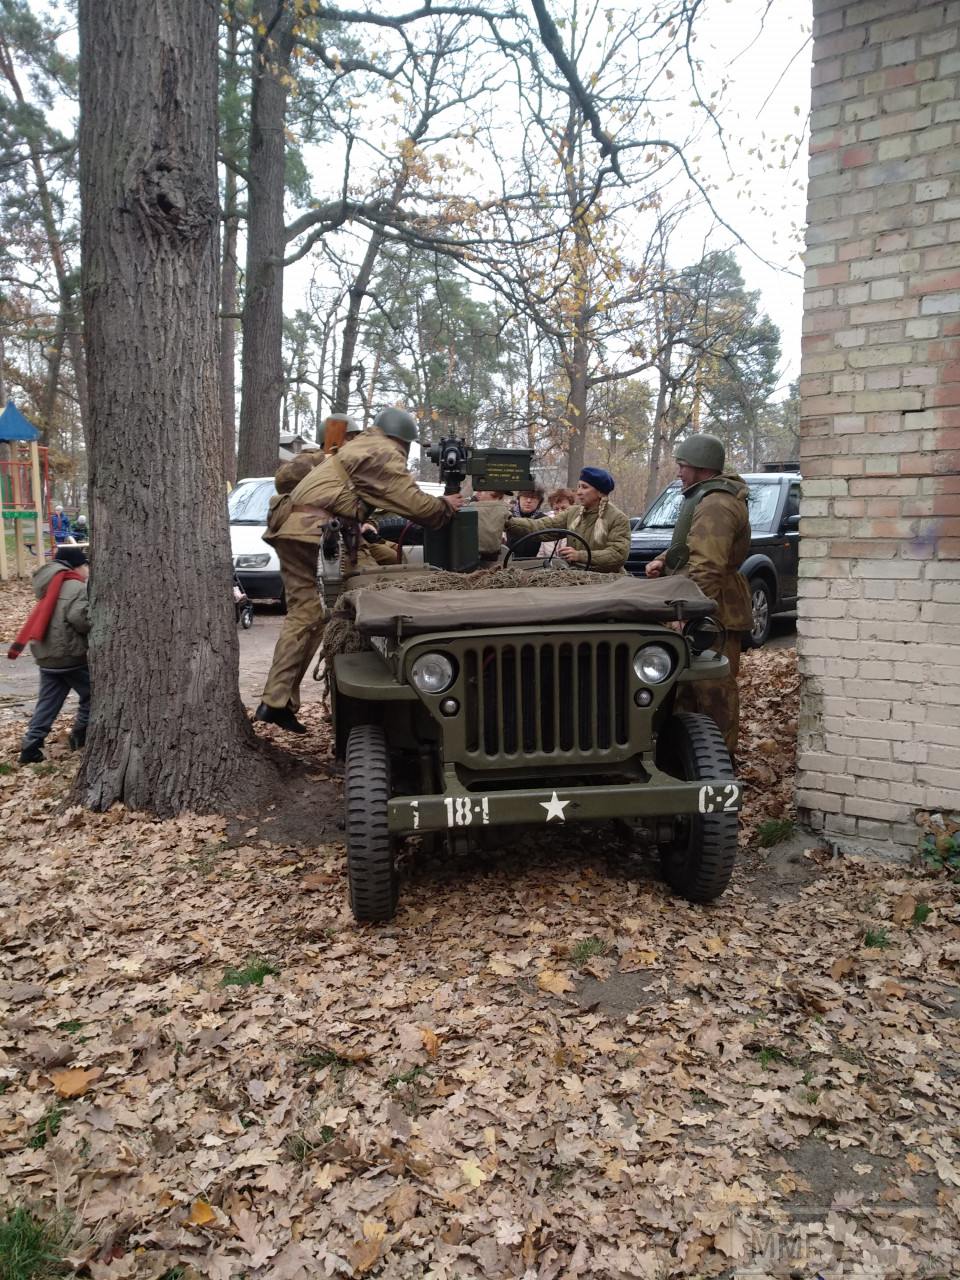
(594, 517)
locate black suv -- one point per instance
(771, 566)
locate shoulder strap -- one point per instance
(678, 552)
(343, 475)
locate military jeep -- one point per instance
(469, 710)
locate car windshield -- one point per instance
(250, 502)
(762, 499)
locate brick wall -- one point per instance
(879, 629)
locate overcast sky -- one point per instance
(767, 108)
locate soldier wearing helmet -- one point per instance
(710, 541)
(367, 473)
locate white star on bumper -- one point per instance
(554, 807)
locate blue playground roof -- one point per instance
(14, 426)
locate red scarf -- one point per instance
(35, 627)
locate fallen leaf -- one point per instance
(75, 1081)
(840, 968)
(401, 1205)
(557, 983)
(714, 945)
(431, 1041)
(200, 1215)
(904, 907)
(318, 880)
(472, 1172)
(364, 1255)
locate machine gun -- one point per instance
(506, 470)
(456, 547)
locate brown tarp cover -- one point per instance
(622, 599)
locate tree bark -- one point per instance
(168, 732)
(228, 327)
(261, 383)
(48, 403)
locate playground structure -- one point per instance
(24, 490)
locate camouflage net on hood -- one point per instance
(342, 636)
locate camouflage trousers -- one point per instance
(719, 699)
(303, 626)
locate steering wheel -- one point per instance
(548, 561)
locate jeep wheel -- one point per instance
(761, 608)
(371, 861)
(698, 862)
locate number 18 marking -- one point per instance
(461, 810)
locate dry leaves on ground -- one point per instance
(746, 1085)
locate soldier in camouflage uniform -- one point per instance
(369, 472)
(709, 550)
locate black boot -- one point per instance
(282, 717)
(31, 755)
(77, 739)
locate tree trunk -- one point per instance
(576, 411)
(228, 329)
(351, 328)
(168, 732)
(48, 404)
(657, 441)
(261, 384)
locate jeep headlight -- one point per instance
(432, 673)
(653, 663)
(252, 562)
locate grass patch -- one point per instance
(405, 1077)
(768, 1055)
(774, 831)
(877, 938)
(300, 1147)
(72, 1026)
(175, 1273)
(5, 768)
(47, 1127)
(920, 913)
(942, 852)
(320, 1058)
(583, 951)
(251, 974)
(31, 1247)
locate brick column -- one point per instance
(879, 630)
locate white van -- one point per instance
(254, 561)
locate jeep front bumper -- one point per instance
(660, 797)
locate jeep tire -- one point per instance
(698, 862)
(371, 853)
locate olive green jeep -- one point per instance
(469, 710)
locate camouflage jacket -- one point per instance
(609, 545)
(376, 479)
(719, 541)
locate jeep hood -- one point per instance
(394, 612)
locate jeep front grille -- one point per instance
(546, 698)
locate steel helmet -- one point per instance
(703, 451)
(398, 424)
